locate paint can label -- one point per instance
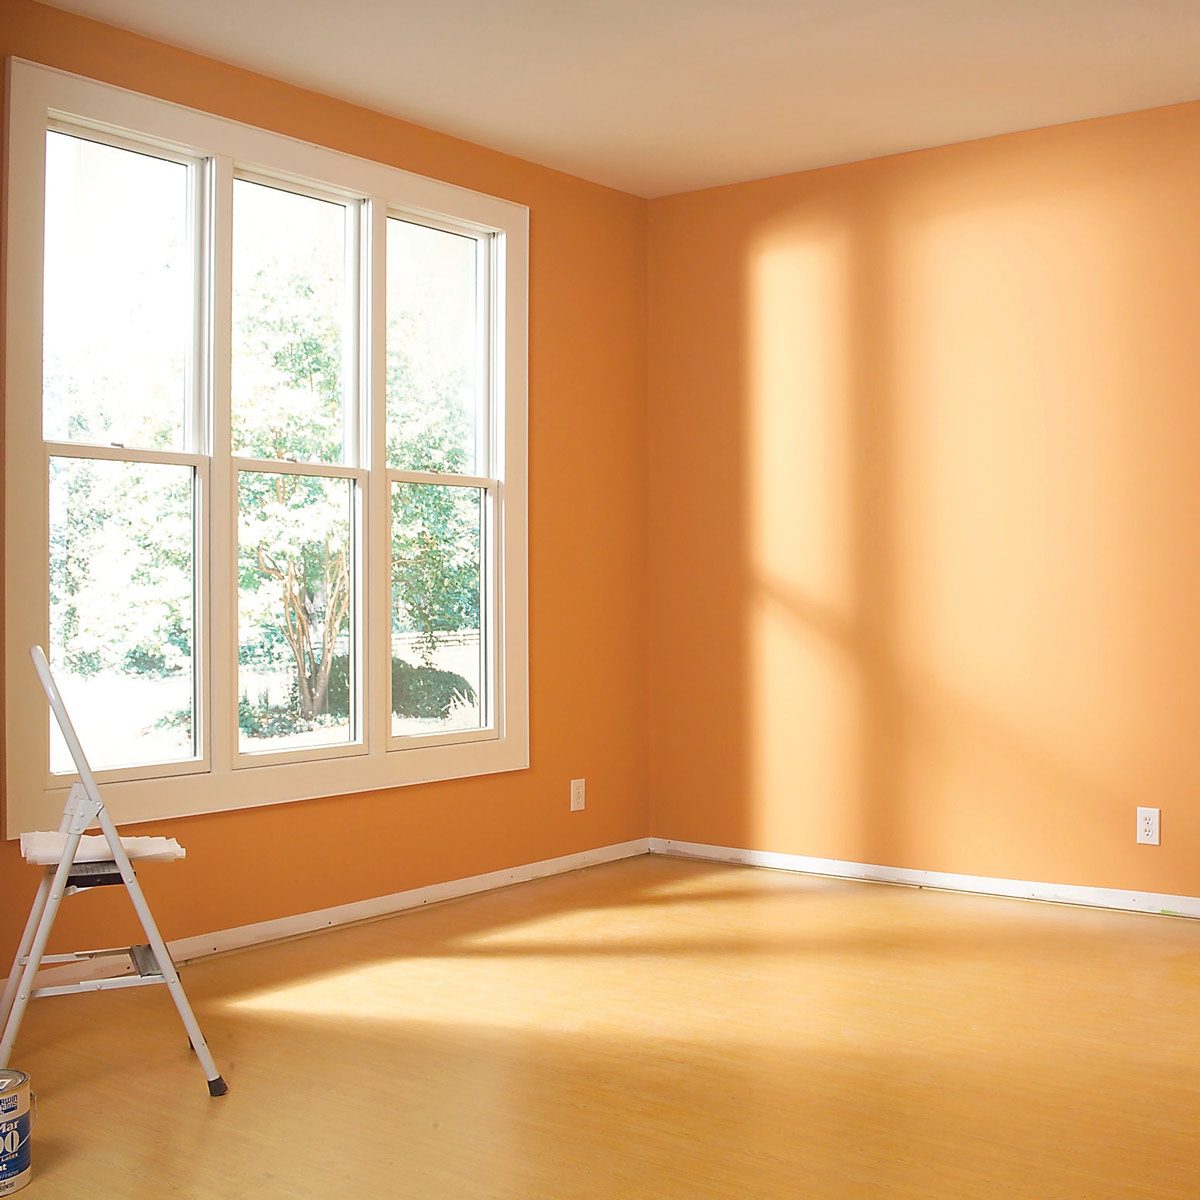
(14, 1139)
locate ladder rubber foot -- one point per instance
(217, 1087)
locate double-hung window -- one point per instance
(266, 451)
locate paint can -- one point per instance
(15, 1119)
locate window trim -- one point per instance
(221, 779)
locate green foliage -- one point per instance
(435, 561)
(426, 691)
(294, 530)
(181, 718)
(420, 691)
(417, 691)
(261, 718)
(288, 399)
(120, 567)
(432, 410)
(142, 660)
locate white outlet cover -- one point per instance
(578, 795)
(1147, 826)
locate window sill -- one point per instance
(189, 795)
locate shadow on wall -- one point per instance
(936, 429)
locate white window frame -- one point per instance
(222, 778)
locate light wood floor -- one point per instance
(650, 1029)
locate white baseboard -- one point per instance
(187, 949)
(1060, 893)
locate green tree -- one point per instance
(294, 577)
(121, 567)
(294, 530)
(435, 528)
(293, 581)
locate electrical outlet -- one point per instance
(1147, 826)
(578, 800)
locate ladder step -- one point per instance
(77, 956)
(94, 874)
(144, 961)
(98, 985)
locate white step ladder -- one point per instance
(152, 961)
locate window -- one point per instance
(266, 462)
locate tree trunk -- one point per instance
(312, 677)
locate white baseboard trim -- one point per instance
(188, 949)
(185, 950)
(1158, 903)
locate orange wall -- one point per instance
(925, 507)
(586, 540)
(908, 446)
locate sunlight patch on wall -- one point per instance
(804, 718)
(806, 722)
(799, 417)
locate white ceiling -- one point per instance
(662, 96)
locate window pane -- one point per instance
(118, 295)
(289, 305)
(122, 609)
(433, 350)
(437, 643)
(295, 651)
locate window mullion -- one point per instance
(448, 478)
(222, 642)
(483, 317)
(286, 466)
(116, 453)
(196, 419)
(377, 619)
(353, 383)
